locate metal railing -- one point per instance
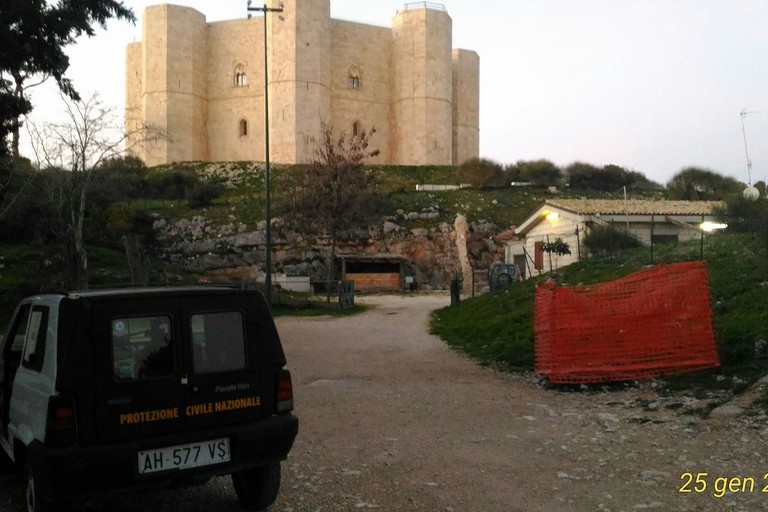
(426, 5)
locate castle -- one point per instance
(202, 84)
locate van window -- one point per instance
(142, 348)
(34, 346)
(218, 341)
(19, 332)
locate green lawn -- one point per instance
(497, 329)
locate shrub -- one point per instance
(609, 239)
(202, 195)
(541, 173)
(175, 184)
(481, 173)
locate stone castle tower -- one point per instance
(203, 85)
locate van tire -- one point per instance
(32, 499)
(6, 464)
(257, 488)
(503, 280)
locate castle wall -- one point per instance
(175, 82)
(183, 78)
(362, 51)
(134, 115)
(299, 78)
(423, 87)
(154, 103)
(466, 105)
(230, 102)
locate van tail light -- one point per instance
(61, 425)
(284, 398)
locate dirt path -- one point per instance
(392, 419)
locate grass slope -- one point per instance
(497, 329)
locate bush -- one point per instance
(481, 173)
(202, 195)
(745, 216)
(697, 184)
(176, 184)
(609, 239)
(541, 173)
(610, 178)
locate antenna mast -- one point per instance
(743, 114)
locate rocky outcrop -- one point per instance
(201, 245)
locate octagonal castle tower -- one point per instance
(202, 84)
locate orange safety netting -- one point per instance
(650, 323)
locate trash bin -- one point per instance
(455, 291)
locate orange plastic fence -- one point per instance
(650, 323)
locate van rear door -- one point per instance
(139, 366)
(229, 373)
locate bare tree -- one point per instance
(91, 134)
(334, 195)
(13, 183)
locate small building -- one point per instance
(374, 272)
(570, 219)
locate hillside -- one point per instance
(211, 205)
(497, 329)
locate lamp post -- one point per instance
(268, 213)
(708, 227)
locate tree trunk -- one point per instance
(331, 268)
(81, 255)
(138, 261)
(16, 123)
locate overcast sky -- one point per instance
(650, 85)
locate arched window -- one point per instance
(354, 78)
(241, 79)
(243, 128)
(356, 129)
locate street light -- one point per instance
(268, 262)
(708, 227)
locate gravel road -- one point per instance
(392, 419)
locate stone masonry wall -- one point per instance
(180, 79)
(236, 249)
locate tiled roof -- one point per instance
(635, 207)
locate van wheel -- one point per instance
(32, 495)
(6, 464)
(257, 488)
(504, 279)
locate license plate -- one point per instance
(184, 456)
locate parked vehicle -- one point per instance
(104, 391)
(502, 274)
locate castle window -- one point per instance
(353, 78)
(243, 128)
(355, 129)
(240, 78)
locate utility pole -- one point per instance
(268, 208)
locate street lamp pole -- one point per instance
(268, 262)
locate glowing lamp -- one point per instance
(712, 226)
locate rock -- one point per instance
(654, 475)
(648, 506)
(391, 226)
(726, 411)
(606, 417)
